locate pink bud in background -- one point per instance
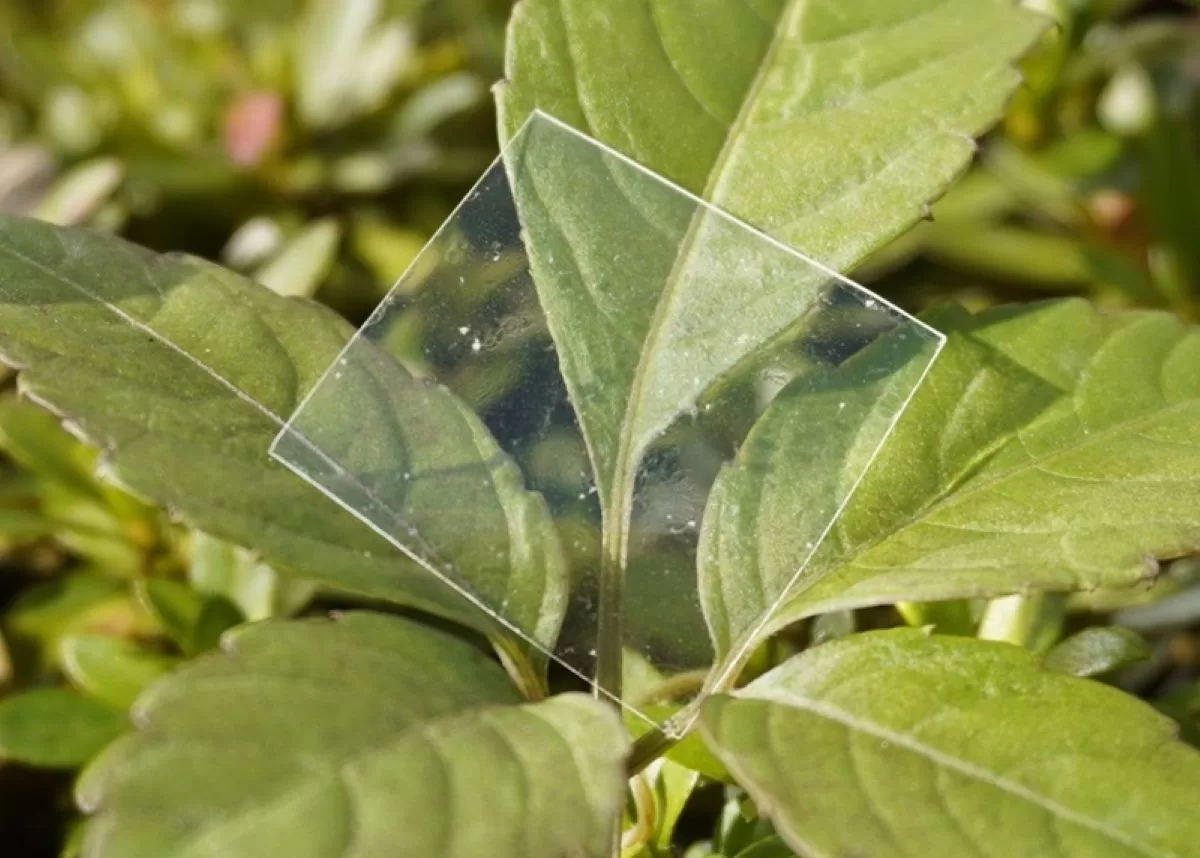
(253, 123)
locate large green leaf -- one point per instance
(56, 728)
(367, 736)
(184, 373)
(831, 126)
(1051, 447)
(897, 744)
(111, 669)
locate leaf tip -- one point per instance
(972, 143)
(141, 712)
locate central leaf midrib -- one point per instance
(617, 512)
(626, 448)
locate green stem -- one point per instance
(1032, 621)
(645, 816)
(528, 678)
(650, 746)
(646, 749)
(610, 597)
(609, 626)
(687, 683)
(946, 618)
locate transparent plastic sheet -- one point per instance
(578, 315)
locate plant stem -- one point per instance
(1032, 621)
(652, 745)
(648, 748)
(610, 595)
(645, 821)
(946, 618)
(686, 683)
(520, 669)
(609, 625)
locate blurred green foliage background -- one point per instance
(316, 144)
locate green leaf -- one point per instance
(217, 616)
(110, 669)
(1183, 705)
(331, 36)
(673, 785)
(1172, 604)
(1096, 651)
(194, 621)
(440, 100)
(1172, 182)
(175, 606)
(23, 525)
(56, 728)
(300, 268)
(385, 248)
(895, 743)
(93, 519)
(690, 752)
(219, 568)
(33, 438)
(827, 627)
(772, 847)
(73, 841)
(78, 195)
(1051, 447)
(829, 127)
(347, 62)
(76, 603)
(371, 735)
(1010, 254)
(740, 826)
(185, 372)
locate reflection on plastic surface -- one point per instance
(537, 411)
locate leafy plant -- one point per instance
(1046, 472)
(1100, 775)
